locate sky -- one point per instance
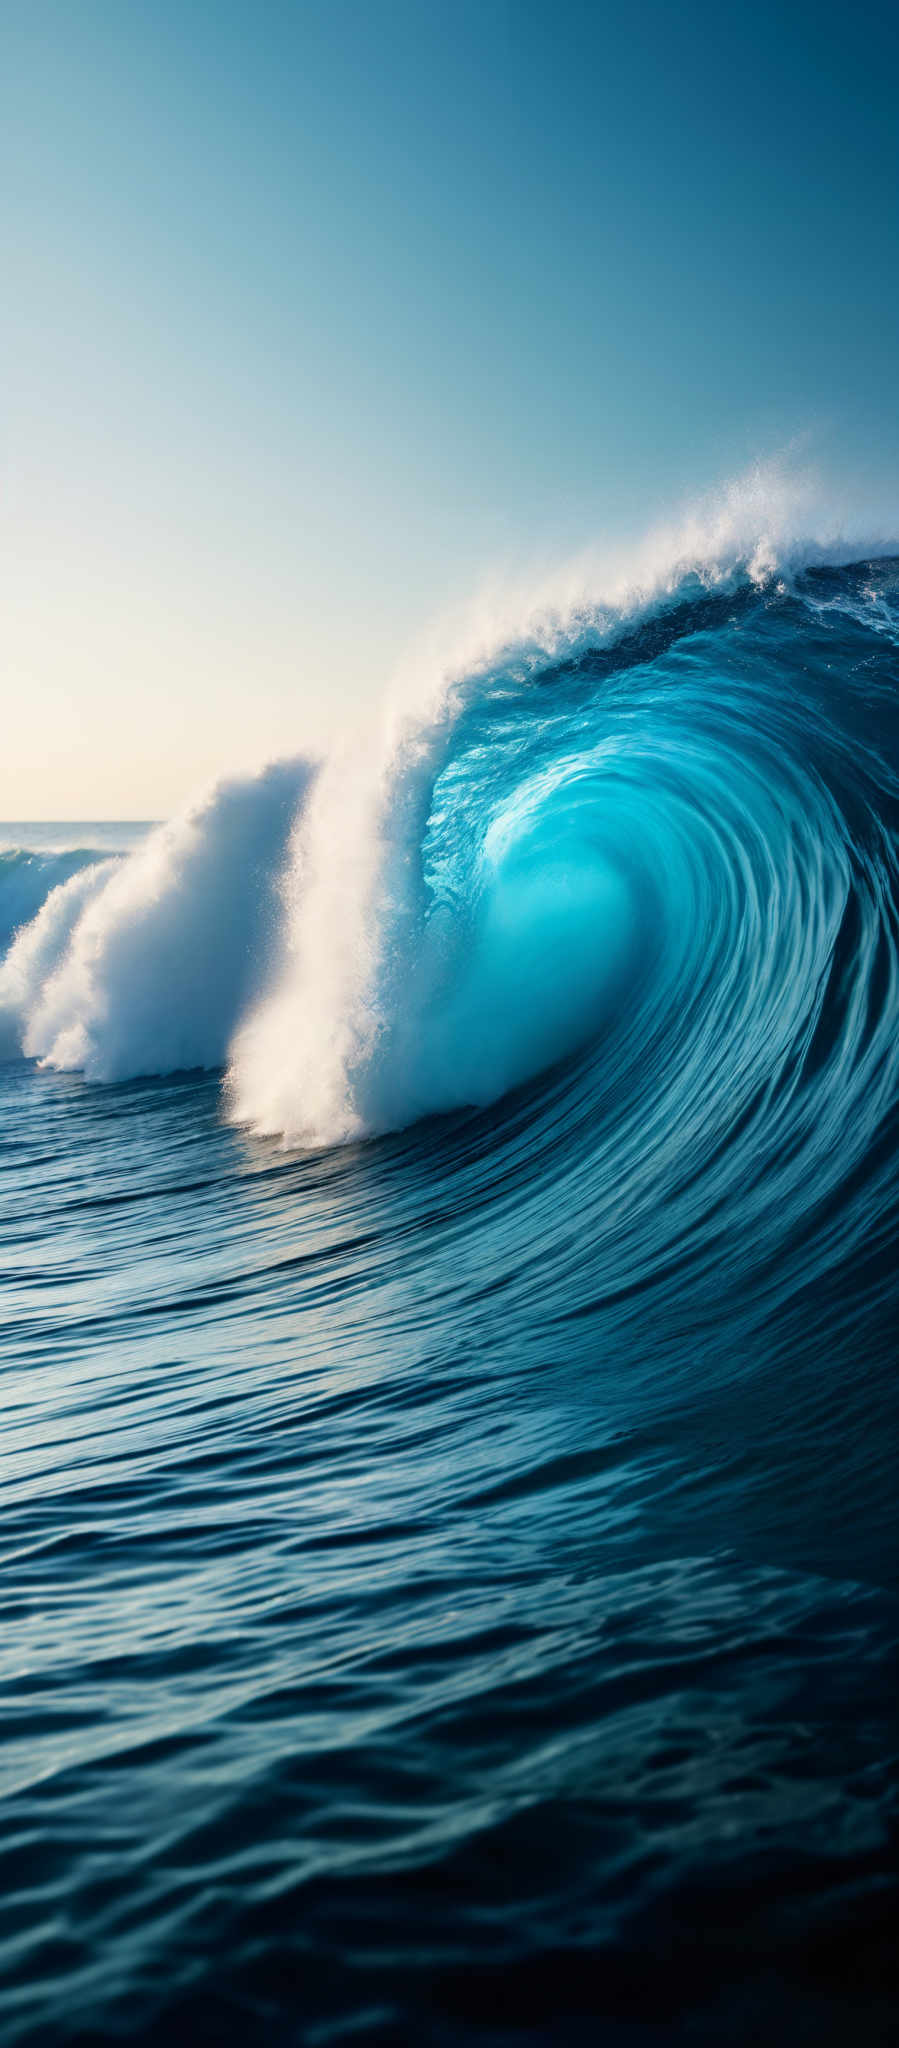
(313, 315)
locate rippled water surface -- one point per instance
(450, 1575)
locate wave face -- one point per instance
(451, 1444)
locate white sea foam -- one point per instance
(144, 964)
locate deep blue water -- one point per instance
(449, 1576)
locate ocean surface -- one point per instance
(448, 1210)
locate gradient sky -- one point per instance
(313, 313)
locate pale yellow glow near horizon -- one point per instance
(126, 715)
(129, 685)
(179, 601)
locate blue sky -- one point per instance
(313, 314)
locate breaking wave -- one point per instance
(653, 822)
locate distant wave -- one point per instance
(27, 877)
(143, 963)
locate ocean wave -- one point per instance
(626, 824)
(482, 892)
